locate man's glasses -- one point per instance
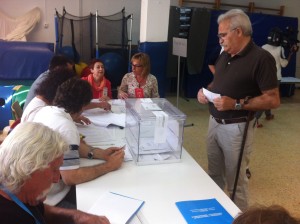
(136, 65)
(223, 35)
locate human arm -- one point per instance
(85, 174)
(82, 120)
(269, 99)
(212, 69)
(59, 215)
(293, 49)
(101, 104)
(114, 157)
(99, 153)
(122, 91)
(155, 93)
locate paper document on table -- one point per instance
(118, 102)
(210, 95)
(208, 211)
(139, 218)
(95, 135)
(119, 209)
(103, 137)
(104, 118)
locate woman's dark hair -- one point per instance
(48, 87)
(59, 61)
(73, 95)
(94, 61)
(274, 214)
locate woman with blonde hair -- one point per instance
(139, 83)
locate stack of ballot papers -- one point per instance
(119, 209)
(103, 137)
(104, 118)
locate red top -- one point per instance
(98, 90)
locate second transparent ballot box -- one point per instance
(154, 130)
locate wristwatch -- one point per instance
(238, 105)
(90, 154)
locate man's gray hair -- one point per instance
(28, 148)
(237, 18)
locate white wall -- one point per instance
(15, 8)
(154, 21)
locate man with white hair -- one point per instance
(30, 158)
(245, 78)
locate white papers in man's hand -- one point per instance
(117, 208)
(210, 95)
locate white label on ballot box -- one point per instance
(150, 106)
(161, 124)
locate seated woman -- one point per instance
(101, 86)
(139, 83)
(46, 91)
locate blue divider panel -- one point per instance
(6, 93)
(24, 60)
(158, 53)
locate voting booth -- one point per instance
(154, 130)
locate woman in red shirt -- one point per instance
(100, 85)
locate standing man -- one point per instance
(246, 79)
(30, 158)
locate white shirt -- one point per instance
(57, 119)
(278, 54)
(32, 108)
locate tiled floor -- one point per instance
(275, 162)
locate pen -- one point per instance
(108, 110)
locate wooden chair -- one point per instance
(17, 110)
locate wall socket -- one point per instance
(46, 25)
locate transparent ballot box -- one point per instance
(154, 130)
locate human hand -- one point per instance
(224, 103)
(122, 95)
(82, 120)
(105, 105)
(115, 159)
(106, 153)
(104, 98)
(294, 48)
(201, 97)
